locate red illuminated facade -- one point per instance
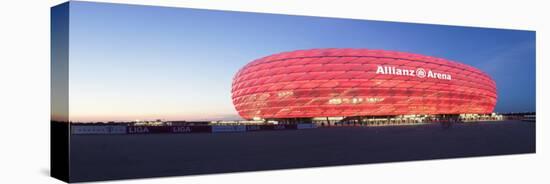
(359, 82)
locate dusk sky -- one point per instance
(142, 62)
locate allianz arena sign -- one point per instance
(325, 82)
(419, 72)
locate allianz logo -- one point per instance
(419, 72)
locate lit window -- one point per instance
(374, 99)
(285, 93)
(356, 100)
(335, 101)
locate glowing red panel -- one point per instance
(359, 82)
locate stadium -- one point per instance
(361, 86)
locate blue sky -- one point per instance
(144, 62)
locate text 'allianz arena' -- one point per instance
(359, 82)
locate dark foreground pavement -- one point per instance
(106, 157)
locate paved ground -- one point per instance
(105, 157)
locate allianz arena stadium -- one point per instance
(356, 83)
